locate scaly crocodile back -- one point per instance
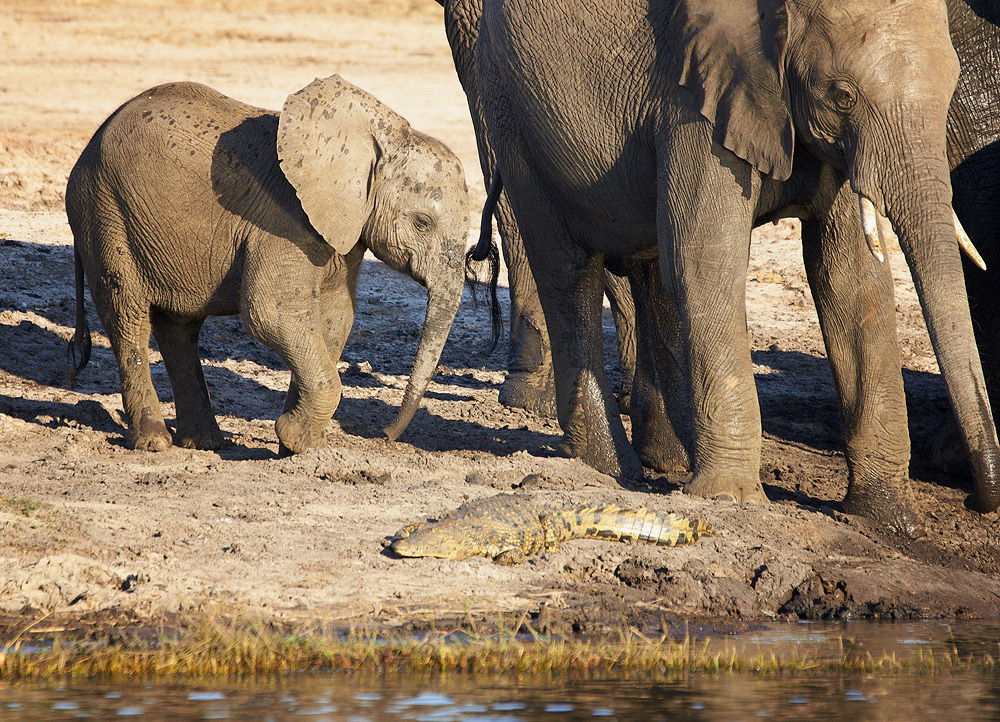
(628, 525)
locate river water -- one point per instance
(343, 697)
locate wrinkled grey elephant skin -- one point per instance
(188, 204)
(974, 153)
(973, 148)
(673, 131)
(529, 383)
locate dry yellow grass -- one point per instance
(245, 649)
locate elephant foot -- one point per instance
(664, 460)
(534, 392)
(602, 456)
(149, 436)
(730, 488)
(656, 443)
(294, 437)
(198, 438)
(888, 504)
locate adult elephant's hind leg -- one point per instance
(529, 383)
(178, 342)
(571, 295)
(854, 299)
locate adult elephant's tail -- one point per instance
(486, 249)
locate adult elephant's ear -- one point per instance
(327, 151)
(732, 57)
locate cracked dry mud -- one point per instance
(95, 534)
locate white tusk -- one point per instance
(965, 243)
(870, 227)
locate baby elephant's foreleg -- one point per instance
(290, 323)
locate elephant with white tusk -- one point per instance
(870, 221)
(671, 131)
(854, 296)
(187, 204)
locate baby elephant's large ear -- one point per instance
(327, 152)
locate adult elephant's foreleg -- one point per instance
(705, 203)
(854, 300)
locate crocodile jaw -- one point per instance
(431, 543)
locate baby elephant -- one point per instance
(187, 204)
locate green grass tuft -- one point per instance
(24, 507)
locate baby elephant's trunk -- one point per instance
(442, 304)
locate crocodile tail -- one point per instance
(633, 525)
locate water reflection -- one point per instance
(344, 698)
(974, 638)
(703, 698)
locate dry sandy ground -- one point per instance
(92, 531)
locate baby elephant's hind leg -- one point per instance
(178, 342)
(128, 327)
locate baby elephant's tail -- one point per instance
(78, 349)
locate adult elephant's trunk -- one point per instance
(918, 204)
(443, 299)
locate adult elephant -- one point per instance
(864, 356)
(669, 130)
(974, 154)
(973, 149)
(529, 383)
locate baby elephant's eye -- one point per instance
(422, 223)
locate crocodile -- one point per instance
(507, 528)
